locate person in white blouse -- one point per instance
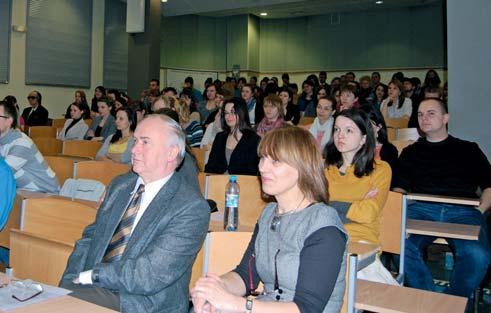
(75, 127)
(396, 105)
(321, 128)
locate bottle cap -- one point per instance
(233, 178)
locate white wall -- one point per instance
(55, 99)
(469, 48)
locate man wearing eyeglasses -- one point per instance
(31, 171)
(36, 115)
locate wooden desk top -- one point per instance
(383, 298)
(363, 250)
(63, 304)
(24, 194)
(443, 199)
(445, 230)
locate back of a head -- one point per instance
(189, 80)
(296, 147)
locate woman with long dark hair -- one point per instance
(81, 100)
(99, 92)
(384, 150)
(290, 110)
(396, 105)
(75, 127)
(358, 183)
(117, 147)
(231, 150)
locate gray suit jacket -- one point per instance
(154, 272)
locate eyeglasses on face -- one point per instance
(31, 97)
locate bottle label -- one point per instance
(231, 201)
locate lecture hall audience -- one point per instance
(349, 131)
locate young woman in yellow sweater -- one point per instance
(355, 177)
(358, 184)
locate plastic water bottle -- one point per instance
(449, 261)
(231, 216)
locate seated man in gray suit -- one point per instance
(138, 254)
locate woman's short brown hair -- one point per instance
(276, 102)
(296, 147)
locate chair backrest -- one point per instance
(57, 218)
(81, 148)
(401, 144)
(42, 131)
(397, 122)
(202, 182)
(391, 224)
(391, 134)
(58, 122)
(251, 202)
(63, 167)
(48, 145)
(12, 222)
(306, 121)
(199, 154)
(407, 134)
(224, 250)
(103, 171)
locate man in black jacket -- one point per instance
(36, 115)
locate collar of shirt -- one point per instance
(151, 190)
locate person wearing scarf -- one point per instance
(321, 128)
(273, 115)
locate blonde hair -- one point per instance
(275, 101)
(296, 147)
(182, 110)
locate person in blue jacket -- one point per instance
(7, 190)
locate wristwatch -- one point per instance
(249, 302)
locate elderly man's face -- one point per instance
(33, 99)
(153, 155)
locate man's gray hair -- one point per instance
(177, 135)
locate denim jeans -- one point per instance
(472, 257)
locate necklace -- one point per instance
(276, 221)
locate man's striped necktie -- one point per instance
(122, 233)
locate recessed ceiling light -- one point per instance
(263, 14)
(164, 1)
(379, 2)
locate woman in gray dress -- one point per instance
(298, 246)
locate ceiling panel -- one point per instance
(279, 8)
